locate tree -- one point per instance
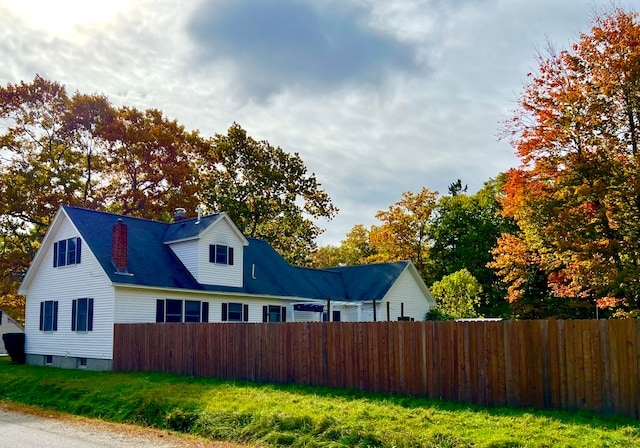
(150, 165)
(266, 191)
(41, 168)
(576, 196)
(403, 234)
(456, 188)
(458, 295)
(353, 250)
(464, 230)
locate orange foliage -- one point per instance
(576, 195)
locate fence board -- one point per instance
(570, 365)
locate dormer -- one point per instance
(211, 248)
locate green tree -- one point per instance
(458, 295)
(266, 191)
(464, 230)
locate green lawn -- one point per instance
(271, 415)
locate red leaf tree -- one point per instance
(576, 194)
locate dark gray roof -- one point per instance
(189, 228)
(152, 263)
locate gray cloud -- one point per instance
(282, 43)
(342, 83)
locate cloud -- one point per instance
(275, 44)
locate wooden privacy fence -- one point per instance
(571, 365)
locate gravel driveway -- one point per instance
(26, 427)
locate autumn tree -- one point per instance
(41, 168)
(266, 191)
(150, 167)
(353, 250)
(576, 195)
(403, 234)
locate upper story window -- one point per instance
(49, 315)
(220, 254)
(67, 252)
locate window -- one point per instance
(174, 311)
(67, 252)
(235, 312)
(48, 359)
(82, 363)
(191, 311)
(82, 315)
(171, 310)
(335, 314)
(274, 313)
(49, 315)
(220, 254)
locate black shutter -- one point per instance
(265, 314)
(284, 314)
(41, 316)
(55, 316)
(230, 258)
(212, 253)
(224, 312)
(90, 315)
(245, 314)
(159, 310)
(55, 255)
(74, 310)
(205, 312)
(78, 250)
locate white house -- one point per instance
(7, 325)
(95, 269)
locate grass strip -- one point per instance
(273, 415)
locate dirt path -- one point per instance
(26, 426)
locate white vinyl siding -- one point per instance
(405, 290)
(65, 284)
(216, 273)
(187, 252)
(139, 305)
(304, 316)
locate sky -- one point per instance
(378, 97)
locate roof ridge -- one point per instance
(119, 215)
(364, 265)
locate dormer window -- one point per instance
(220, 254)
(67, 252)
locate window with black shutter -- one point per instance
(205, 311)
(82, 315)
(67, 252)
(49, 315)
(274, 313)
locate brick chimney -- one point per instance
(119, 245)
